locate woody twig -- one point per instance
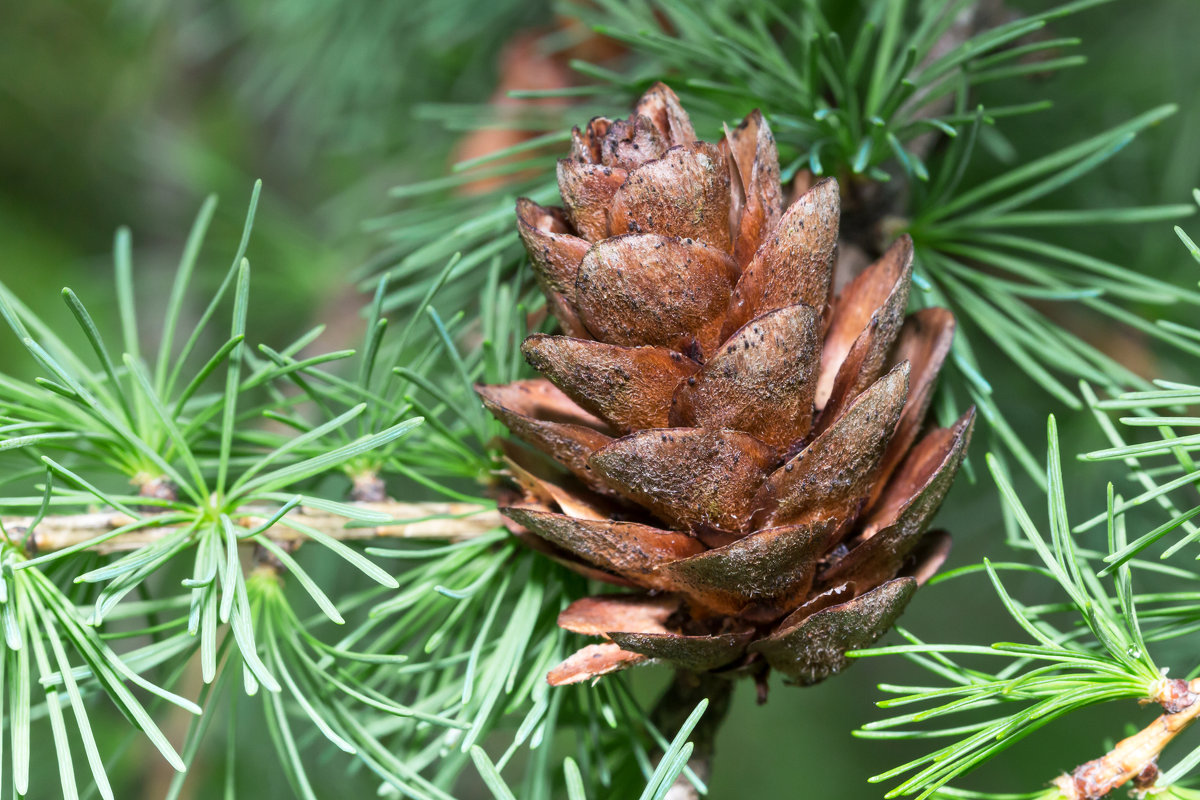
(1134, 758)
(441, 521)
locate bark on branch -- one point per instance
(1134, 758)
(676, 705)
(442, 521)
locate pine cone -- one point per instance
(737, 444)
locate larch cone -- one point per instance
(739, 448)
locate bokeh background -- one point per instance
(131, 112)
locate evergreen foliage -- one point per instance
(155, 497)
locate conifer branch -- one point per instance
(1133, 758)
(418, 675)
(677, 702)
(429, 520)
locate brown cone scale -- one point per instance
(749, 452)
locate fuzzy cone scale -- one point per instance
(741, 449)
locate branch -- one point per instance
(676, 703)
(1134, 758)
(445, 521)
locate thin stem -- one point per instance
(446, 521)
(1134, 757)
(676, 704)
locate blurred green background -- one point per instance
(130, 113)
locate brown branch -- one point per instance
(676, 705)
(445, 521)
(1133, 758)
